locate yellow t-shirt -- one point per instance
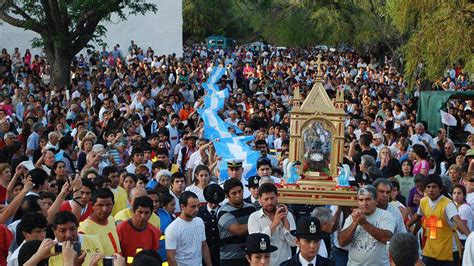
(120, 200)
(174, 168)
(89, 243)
(106, 233)
(126, 214)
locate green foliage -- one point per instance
(69, 24)
(431, 34)
(440, 35)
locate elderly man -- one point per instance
(32, 144)
(53, 141)
(126, 214)
(421, 137)
(367, 230)
(384, 190)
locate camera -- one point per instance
(281, 207)
(108, 261)
(58, 248)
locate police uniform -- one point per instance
(213, 194)
(253, 182)
(258, 243)
(237, 163)
(308, 228)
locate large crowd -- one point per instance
(113, 168)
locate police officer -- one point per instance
(253, 183)
(214, 195)
(258, 249)
(308, 239)
(235, 170)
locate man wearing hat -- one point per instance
(253, 187)
(235, 170)
(308, 239)
(186, 151)
(258, 249)
(214, 195)
(440, 216)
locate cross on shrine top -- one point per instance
(319, 63)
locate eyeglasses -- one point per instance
(248, 132)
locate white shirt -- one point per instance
(259, 222)
(466, 214)
(397, 215)
(193, 161)
(417, 139)
(12, 259)
(304, 262)
(468, 258)
(186, 238)
(173, 136)
(470, 200)
(198, 191)
(176, 200)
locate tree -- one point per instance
(440, 35)
(67, 26)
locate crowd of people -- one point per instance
(113, 168)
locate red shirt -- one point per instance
(132, 239)
(3, 195)
(6, 237)
(66, 206)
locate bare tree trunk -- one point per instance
(60, 68)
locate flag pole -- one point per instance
(447, 110)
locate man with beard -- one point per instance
(185, 237)
(274, 221)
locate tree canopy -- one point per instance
(429, 36)
(66, 27)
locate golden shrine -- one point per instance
(317, 141)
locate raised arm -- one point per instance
(13, 207)
(58, 202)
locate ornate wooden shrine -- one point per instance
(317, 141)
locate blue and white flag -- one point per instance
(229, 146)
(216, 75)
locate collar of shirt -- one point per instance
(304, 262)
(434, 202)
(252, 199)
(209, 209)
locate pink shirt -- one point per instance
(423, 164)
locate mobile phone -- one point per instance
(108, 261)
(58, 248)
